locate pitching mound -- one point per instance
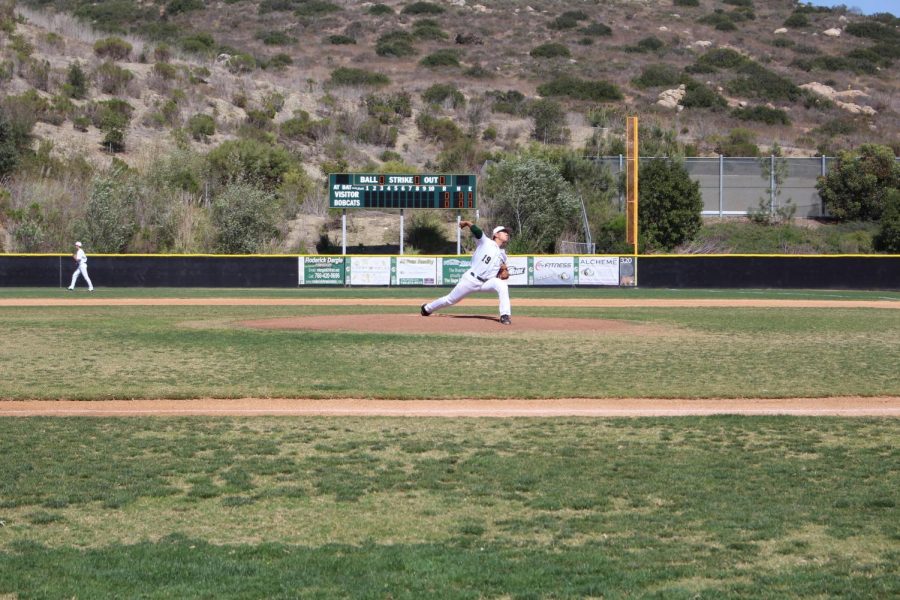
(450, 323)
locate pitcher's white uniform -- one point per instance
(481, 277)
(81, 268)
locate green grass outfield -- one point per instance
(715, 507)
(325, 507)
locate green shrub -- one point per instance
(348, 76)
(762, 114)
(568, 20)
(439, 129)
(441, 58)
(550, 50)
(740, 142)
(511, 102)
(888, 237)
(796, 20)
(395, 43)
(275, 38)
(874, 31)
(580, 89)
(783, 42)
(427, 232)
(720, 20)
(249, 161)
(301, 127)
(439, 93)
(340, 40)
(422, 8)
(856, 188)
(699, 95)
(112, 48)
(687, 2)
(199, 43)
(380, 9)
(279, 61)
(742, 3)
(316, 8)
(108, 114)
(76, 85)
(111, 78)
(656, 76)
(596, 30)
(428, 29)
(165, 71)
(722, 58)
(173, 7)
(759, 82)
(647, 44)
(267, 6)
(246, 218)
(201, 127)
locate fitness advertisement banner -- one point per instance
(370, 270)
(452, 269)
(415, 271)
(552, 270)
(596, 270)
(322, 270)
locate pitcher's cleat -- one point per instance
(424, 312)
(505, 320)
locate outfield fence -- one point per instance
(859, 272)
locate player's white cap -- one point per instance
(500, 228)
(78, 244)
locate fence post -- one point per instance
(621, 168)
(721, 186)
(401, 231)
(772, 184)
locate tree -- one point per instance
(855, 189)
(246, 218)
(888, 237)
(549, 121)
(109, 220)
(669, 205)
(530, 196)
(9, 155)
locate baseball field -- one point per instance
(313, 443)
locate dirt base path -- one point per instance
(563, 407)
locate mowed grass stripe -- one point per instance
(191, 352)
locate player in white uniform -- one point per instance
(488, 261)
(80, 267)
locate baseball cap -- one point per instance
(78, 244)
(500, 228)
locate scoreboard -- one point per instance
(391, 190)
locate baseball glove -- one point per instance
(503, 273)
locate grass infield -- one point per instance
(260, 507)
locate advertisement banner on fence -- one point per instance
(518, 270)
(370, 270)
(597, 270)
(627, 271)
(452, 269)
(552, 270)
(322, 270)
(415, 271)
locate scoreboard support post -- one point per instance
(344, 232)
(458, 232)
(401, 232)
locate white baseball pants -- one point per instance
(469, 284)
(81, 269)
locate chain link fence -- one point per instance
(736, 186)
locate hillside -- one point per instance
(445, 84)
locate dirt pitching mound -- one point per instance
(449, 323)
